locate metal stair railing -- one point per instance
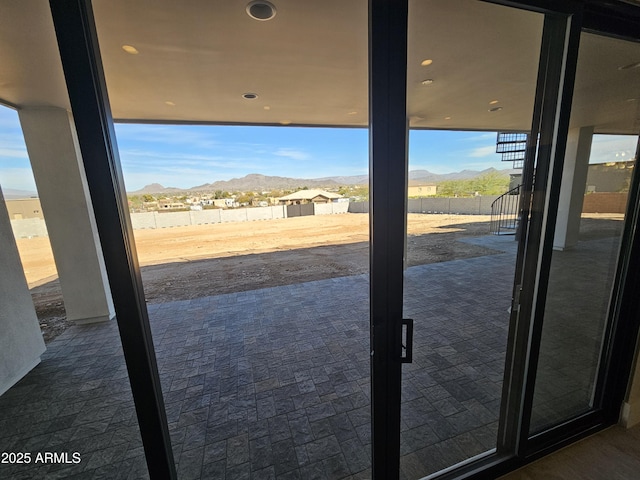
(504, 212)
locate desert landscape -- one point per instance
(195, 261)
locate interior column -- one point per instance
(56, 161)
(21, 341)
(574, 179)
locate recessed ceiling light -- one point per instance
(130, 49)
(426, 63)
(267, 107)
(353, 112)
(250, 96)
(285, 122)
(428, 81)
(447, 118)
(171, 104)
(630, 66)
(493, 102)
(495, 109)
(261, 10)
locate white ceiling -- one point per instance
(308, 64)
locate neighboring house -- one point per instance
(308, 196)
(222, 202)
(149, 206)
(24, 208)
(170, 205)
(421, 190)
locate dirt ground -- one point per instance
(189, 262)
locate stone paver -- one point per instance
(274, 383)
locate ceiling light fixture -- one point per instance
(250, 96)
(267, 107)
(171, 104)
(353, 112)
(630, 66)
(261, 10)
(447, 118)
(495, 109)
(493, 102)
(428, 81)
(285, 122)
(130, 49)
(426, 63)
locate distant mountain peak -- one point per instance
(15, 194)
(156, 188)
(256, 182)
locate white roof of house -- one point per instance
(309, 195)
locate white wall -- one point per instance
(21, 341)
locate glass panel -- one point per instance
(66, 408)
(598, 165)
(257, 293)
(469, 97)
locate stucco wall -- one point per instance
(21, 341)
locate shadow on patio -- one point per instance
(274, 383)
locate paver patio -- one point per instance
(274, 383)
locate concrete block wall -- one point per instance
(462, 206)
(172, 219)
(204, 217)
(238, 215)
(279, 211)
(265, 213)
(35, 227)
(605, 202)
(330, 208)
(29, 227)
(143, 220)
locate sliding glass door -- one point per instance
(509, 337)
(466, 95)
(584, 237)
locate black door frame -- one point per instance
(387, 179)
(82, 65)
(538, 212)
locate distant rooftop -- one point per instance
(309, 195)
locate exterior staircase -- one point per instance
(504, 213)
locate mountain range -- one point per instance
(13, 194)
(258, 183)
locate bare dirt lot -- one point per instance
(195, 261)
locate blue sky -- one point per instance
(185, 156)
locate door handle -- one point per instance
(406, 355)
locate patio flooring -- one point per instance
(275, 383)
